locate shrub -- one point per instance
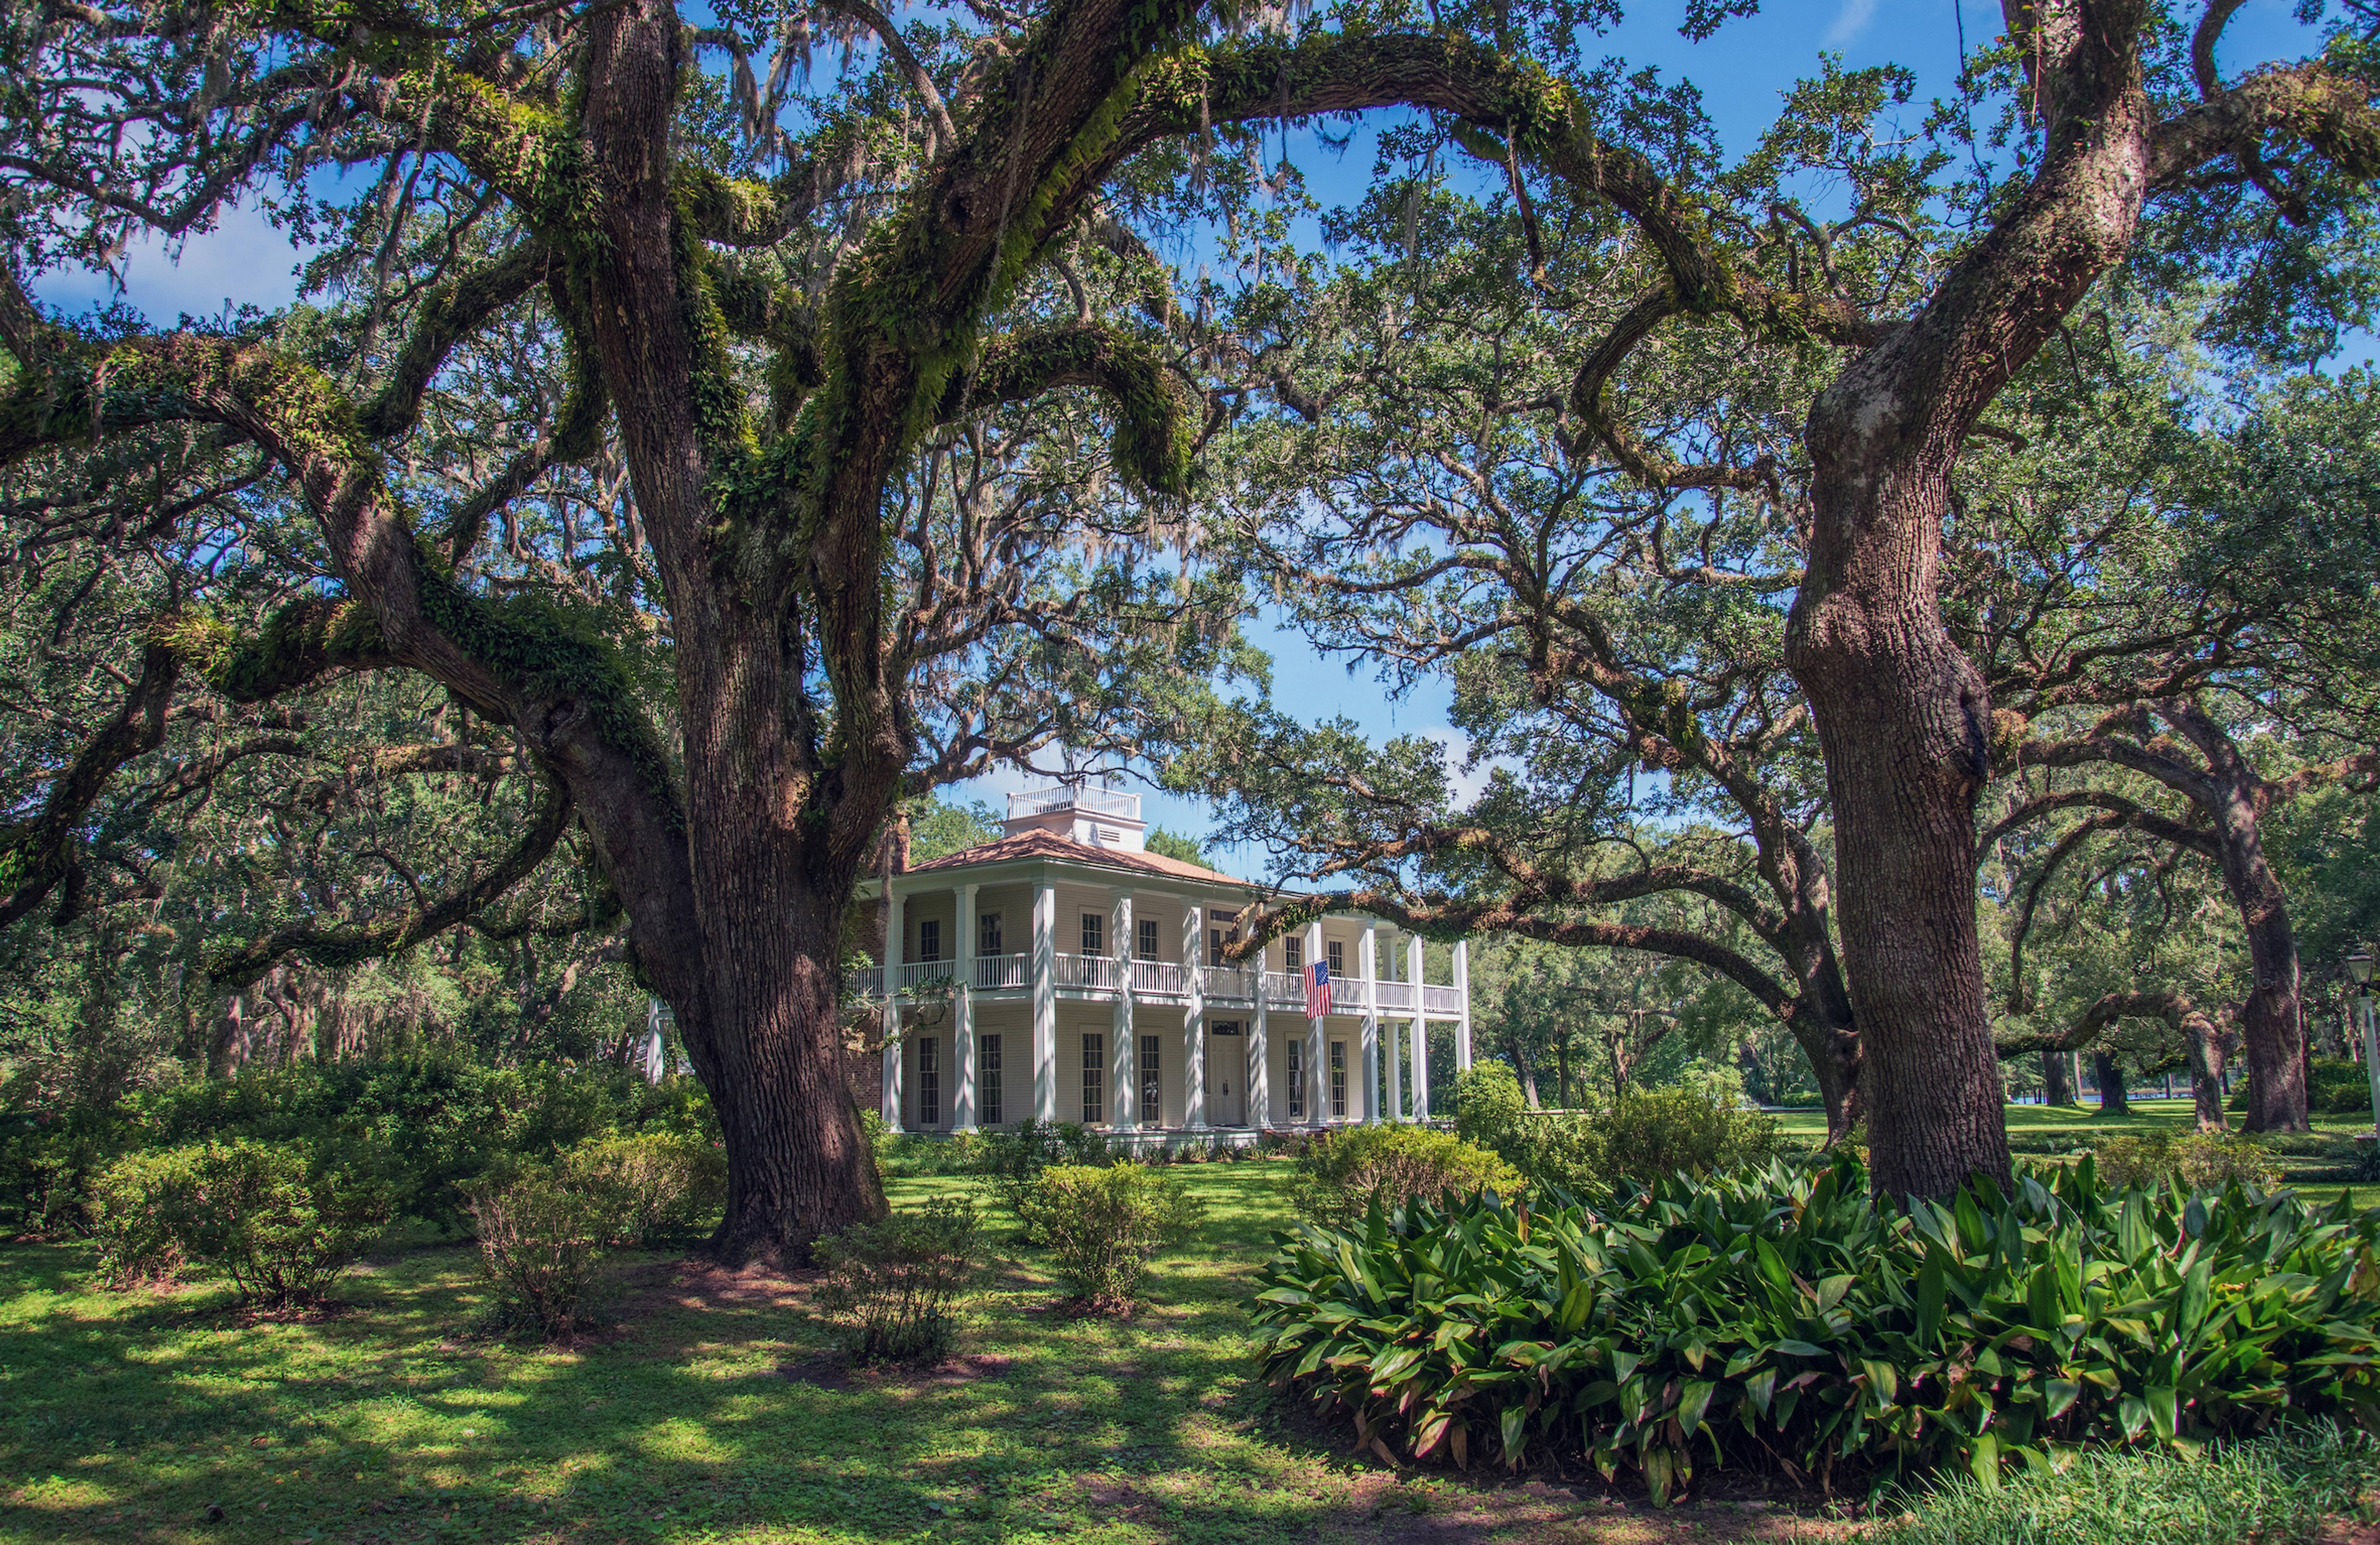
(2202, 1161)
(135, 1217)
(2337, 1085)
(1337, 1179)
(279, 1220)
(1103, 1225)
(660, 1186)
(1779, 1316)
(1014, 1160)
(1643, 1133)
(2285, 1486)
(893, 1283)
(542, 1233)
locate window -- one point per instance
(929, 938)
(1095, 1056)
(1095, 935)
(988, 1076)
(1149, 938)
(1297, 1080)
(1292, 956)
(1338, 1077)
(929, 1083)
(1338, 960)
(988, 935)
(1152, 1105)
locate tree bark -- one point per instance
(2111, 1074)
(2054, 1069)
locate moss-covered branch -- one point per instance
(39, 854)
(1155, 426)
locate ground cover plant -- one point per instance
(2288, 1486)
(1777, 1317)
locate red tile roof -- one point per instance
(1049, 845)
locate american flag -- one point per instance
(1317, 990)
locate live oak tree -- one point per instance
(777, 343)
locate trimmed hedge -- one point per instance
(1778, 1317)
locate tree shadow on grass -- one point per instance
(135, 1411)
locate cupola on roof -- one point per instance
(1089, 814)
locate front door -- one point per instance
(1227, 1075)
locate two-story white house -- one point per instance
(1066, 972)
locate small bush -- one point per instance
(1103, 1225)
(1780, 1317)
(542, 1233)
(279, 1221)
(1644, 1134)
(544, 1229)
(662, 1188)
(2202, 1161)
(136, 1214)
(2337, 1085)
(1338, 1178)
(893, 1283)
(1014, 1160)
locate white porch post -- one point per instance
(962, 1107)
(1414, 955)
(1124, 1054)
(1194, 1019)
(1394, 1095)
(895, 941)
(1462, 1006)
(1371, 1048)
(1044, 1001)
(656, 1056)
(1258, 1075)
(1318, 1076)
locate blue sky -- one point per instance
(1742, 72)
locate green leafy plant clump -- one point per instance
(1778, 1317)
(1104, 1225)
(1644, 1132)
(893, 1284)
(1338, 1178)
(279, 1221)
(2203, 1160)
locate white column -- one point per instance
(1318, 1076)
(1420, 1032)
(1393, 1096)
(1462, 1006)
(1194, 1019)
(963, 1106)
(1370, 1104)
(895, 942)
(1123, 1055)
(1044, 1001)
(1258, 1075)
(656, 1053)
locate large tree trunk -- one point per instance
(2111, 1074)
(2273, 1028)
(2054, 1084)
(1902, 717)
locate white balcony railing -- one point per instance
(1231, 984)
(1283, 989)
(1089, 973)
(1163, 978)
(1443, 1001)
(1100, 801)
(913, 974)
(867, 982)
(993, 972)
(1396, 997)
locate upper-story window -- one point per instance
(1149, 938)
(1338, 958)
(1292, 956)
(1218, 941)
(988, 935)
(1095, 934)
(929, 939)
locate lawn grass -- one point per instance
(130, 1413)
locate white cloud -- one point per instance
(243, 259)
(1851, 22)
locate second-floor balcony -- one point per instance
(1160, 981)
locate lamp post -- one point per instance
(2359, 966)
